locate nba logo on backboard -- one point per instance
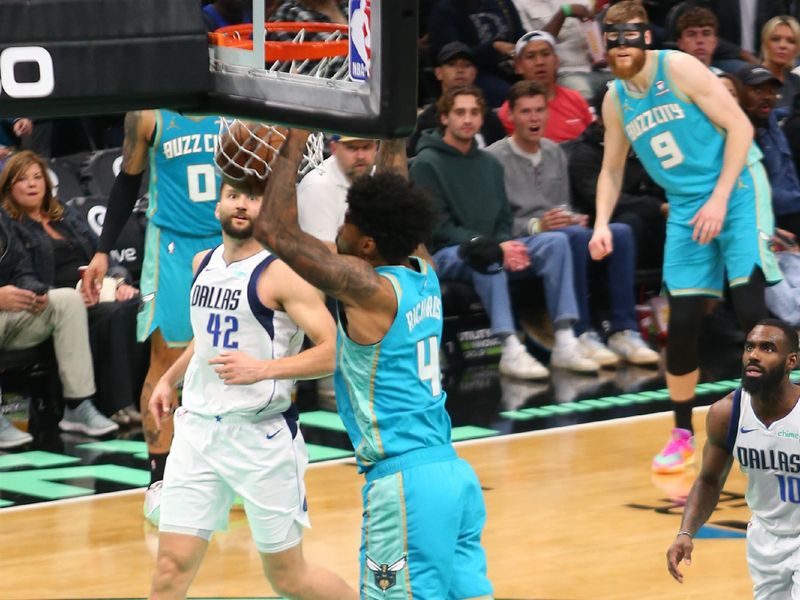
(360, 45)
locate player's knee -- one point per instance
(288, 583)
(171, 571)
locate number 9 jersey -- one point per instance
(227, 316)
(181, 169)
(678, 145)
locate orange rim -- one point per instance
(241, 36)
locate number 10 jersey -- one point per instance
(227, 316)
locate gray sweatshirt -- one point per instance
(532, 190)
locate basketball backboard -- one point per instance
(79, 57)
(366, 84)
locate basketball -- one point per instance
(246, 149)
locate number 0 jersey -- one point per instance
(184, 182)
(675, 141)
(389, 394)
(227, 316)
(770, 457)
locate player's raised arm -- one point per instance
(704, 495)
(139, 127)
(347, 278)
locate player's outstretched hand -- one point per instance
(161, 402)
(92, 277)
(708, 221)
(238, 368)
(680, 550)
(601, 244)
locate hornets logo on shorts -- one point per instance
(386, 575)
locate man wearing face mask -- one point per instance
(697, 144)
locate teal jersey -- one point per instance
(184, 183)
(389, 394)
(675, 141)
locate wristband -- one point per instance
(567, 10)
(686, 533)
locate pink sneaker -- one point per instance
(678, 453)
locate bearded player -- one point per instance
(697, 144)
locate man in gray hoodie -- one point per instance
(473, 241)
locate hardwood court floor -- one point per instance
(560, 526)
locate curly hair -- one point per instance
(13, 170)
(390, 210)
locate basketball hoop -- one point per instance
(294, 55)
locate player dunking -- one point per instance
(237, 432)
(423, 507)
(183, 194)
(760, 425)
(697, 144)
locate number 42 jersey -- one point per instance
(227, 316)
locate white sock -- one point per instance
(511, 343)
(565, 337)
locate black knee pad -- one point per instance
(685, 319)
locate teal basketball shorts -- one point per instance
(421, 533)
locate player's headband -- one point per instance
(622, 34)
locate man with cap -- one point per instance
(455, 67)
(535, 59)
(322, 194)
(759, 95)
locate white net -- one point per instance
(247, 149)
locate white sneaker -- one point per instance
(516, 362)
(152, 503)
(11, 437)
(571, 357)
(630, 346)
(86, 419)
(592, 347)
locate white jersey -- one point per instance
(227, 316)
(770, 457)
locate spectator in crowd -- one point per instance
(759, 95)
(536, 60)
(473, 241)
(29, 315)
(641, 205)
(783, 298)
(489, 28)
(732, 84)
(322, 193)
(565, 23)
(779, 48)
(58, 242)
(697, 33)
(741, 21)
(222, 13)
(456, 67)
(537, 185)
(11, 131)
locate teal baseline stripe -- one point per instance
(470, 432)
(119, 446)
(323, 419)
(4, 503)
(37, 459)
(318, 453)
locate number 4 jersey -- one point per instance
(770, 457)
(675, 141)
(227, 316)
(389, 394)
(183, 180)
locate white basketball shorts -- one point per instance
(213, 459)
(774, 562)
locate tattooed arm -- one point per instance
(139, 127)
(347, 278)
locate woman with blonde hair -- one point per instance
(780, 46)
(59, 241)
